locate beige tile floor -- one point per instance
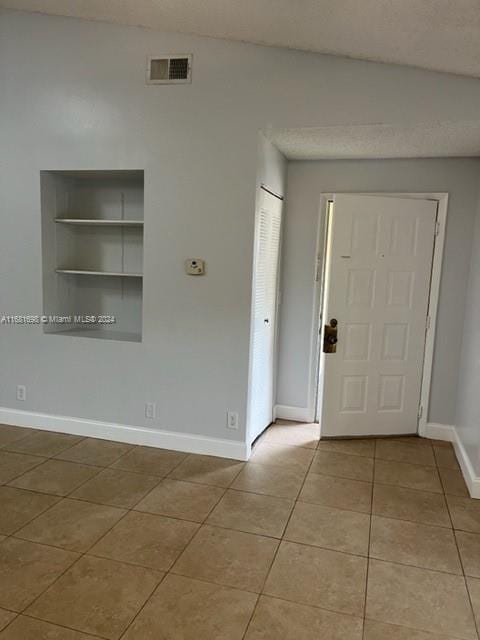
(331, 540)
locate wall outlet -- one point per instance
(150, 410)
(232, 420)
(21, 392)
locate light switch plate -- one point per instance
(194, 267)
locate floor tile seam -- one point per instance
(416, 566)
(413, 464)
(60, 548)
(373, 481)
(354, 616)
(341, 477)
(37, 515)
(104, 466)
(62, 573)
(132, 448)
(289, 467)
(369, 543)
(404, 486)
(130, 624)
(42, 455)
(401, 626)
(99, 470)
(110, 504)
(428, 524)
(432, 493)
(170, 477)
(424, 522)
(257, 493)
(17, 477)
(413, 566)
(62, 626)
(143, 473)
(31, 429)
(290, 444)
(264, 495)
(441, 467)
(329, 506)
(90, 554)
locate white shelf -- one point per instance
(86, 272)
(97, 221)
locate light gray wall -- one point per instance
(272, 167)
(73, 96)
(468, 400)
(306, 181)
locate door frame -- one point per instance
(315, 381)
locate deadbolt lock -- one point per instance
(330, 337)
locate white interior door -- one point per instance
(269, 221)
(379, 263)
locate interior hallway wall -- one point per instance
(305, 182)
(467, 418)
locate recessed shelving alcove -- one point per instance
(92, 248)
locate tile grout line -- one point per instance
(132, 621)
(369, 543)
(55, 624)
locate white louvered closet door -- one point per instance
(267, 249)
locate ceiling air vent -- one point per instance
(169, 69)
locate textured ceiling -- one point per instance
(427, 140)
(434, 34)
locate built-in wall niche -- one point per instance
(92, 249)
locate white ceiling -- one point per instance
(424, 140)
(434, 34)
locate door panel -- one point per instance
(379, 261)
(264, 313)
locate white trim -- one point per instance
(450, 434)
(436, 431)
(285, 412)
(471, 479)
(188, 442)
(442, 199)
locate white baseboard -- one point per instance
(285, 412)
(436, 431)
(472, 480)
(187, 442)
(450, 434)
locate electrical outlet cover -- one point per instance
(232, 420)
(21, 392)
(150, 410)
